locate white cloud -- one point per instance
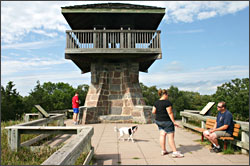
(44, 17)
(205, 15)
(42, 32)
(235, 6)
(204, 80)
(190, 11)
(186, 31)
(30, 45)
(24, 84)
(20, 18)
(174, 66)
(9, 66)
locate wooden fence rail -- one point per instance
(68, 154)
(243, 143)
(14, 132)
(66, 112)
(89, 39)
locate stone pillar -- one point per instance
(114, 88)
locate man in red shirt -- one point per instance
(75, 105)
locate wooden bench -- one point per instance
(210, 124)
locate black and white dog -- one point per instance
(126, 130)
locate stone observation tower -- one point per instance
(113, 41)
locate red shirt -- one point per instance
(74, 103)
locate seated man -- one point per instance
(223, 127)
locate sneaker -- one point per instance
(216, 150)
(212, 150)
(75, 123)
(177, 155)
(164, 153)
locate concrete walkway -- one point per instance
(146, 149)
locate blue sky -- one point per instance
(204, 45)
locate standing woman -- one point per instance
(165, 122)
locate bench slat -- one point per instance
(210, 123)
(236, 130)
(209, 126)
(211, 120)
(200, 129)
(235, 134)
(237, 125)
(226, 138)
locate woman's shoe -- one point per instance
(164, 153)
(177, 154)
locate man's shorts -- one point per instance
(167, 126)
(222, 134)
(76, 110)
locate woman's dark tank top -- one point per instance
(161, 110)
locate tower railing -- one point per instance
(113, 39)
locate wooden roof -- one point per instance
(112, 6)
(113, 16)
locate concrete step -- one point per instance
(116, 119)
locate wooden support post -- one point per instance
(184, 119)
(129, 39)
(26, 117)
(244, 139)
(94, 39)
(60, 122)
(67, 41)
(159, 39)
(9, 137)
(40, 116)
(104, 39)
(203, 124)
(225, 145)
(14, 139)
(79, 130)
(121, 39)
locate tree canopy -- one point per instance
(236, 95)
(12, 105)
(57, 96)
(51, 96)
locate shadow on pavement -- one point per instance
(189, 148)
(107, 159)
(140, 140)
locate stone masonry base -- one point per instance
(115, 91)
